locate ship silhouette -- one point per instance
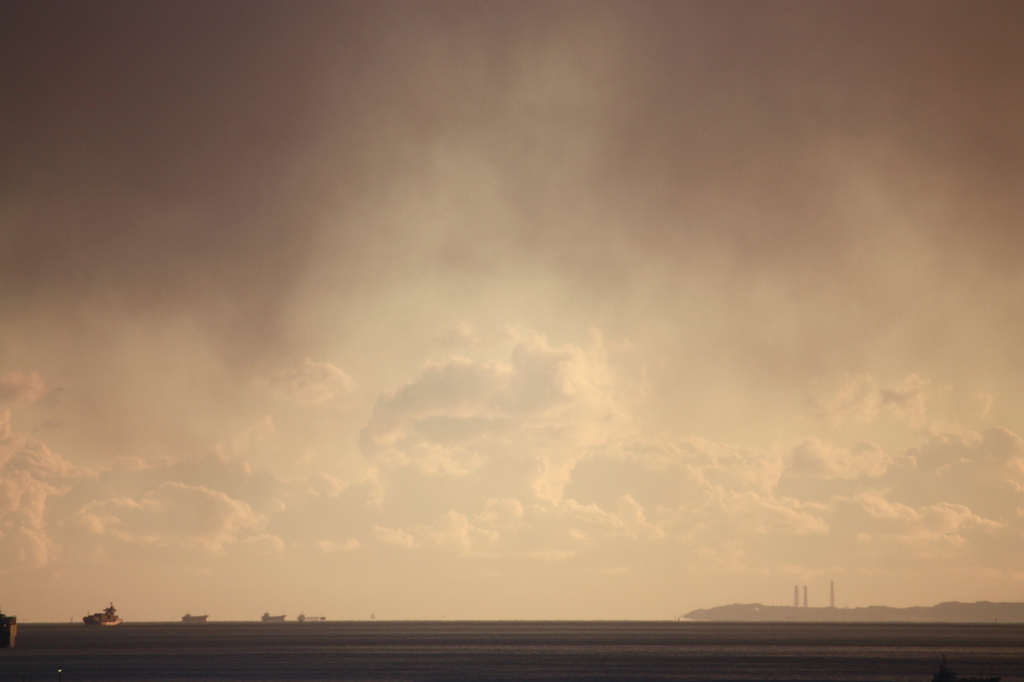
(106, 617)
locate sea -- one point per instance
(520, 650)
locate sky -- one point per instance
(532, 310)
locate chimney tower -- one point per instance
(832, 593)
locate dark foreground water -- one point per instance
(511, 651)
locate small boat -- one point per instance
(8, 630)
(106, 617)
(946, 674)
(189, 618)
(267, 618)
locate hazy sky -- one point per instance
(509, 310)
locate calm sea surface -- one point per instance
(511, 651)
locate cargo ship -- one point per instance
(303, 618)
(267, 618)
(189, 618)
(106, 617)
(8, 630)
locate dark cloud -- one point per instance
(164, 153)
(187, 153)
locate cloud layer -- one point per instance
(484, 310)
(540, 458)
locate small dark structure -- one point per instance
(946, 674)
(8, 630)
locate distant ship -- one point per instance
(8, 630)
(107, 617)
(303, 618)
(946, 674)
(189, 618)
(267, 618)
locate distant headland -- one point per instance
(946, 612)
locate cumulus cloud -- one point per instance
(30, 476)
(173, 515)
(394, 536)
(814, 457)
(941, 529)
(984, 402)
(541, 529)
(312, 384)
(256, 434)
(910, 399)
(772, 514)
(983, 471)
(539, 458)
(452, 530)
(504, 515)
(995, 447)
(549, 404)
(696, 467)
(5, 423)
(463, 334)
(856, 400)
(740, 508)
(323, 483)
(330, 546)
(954, 491)
(861, 399)
(728, 466)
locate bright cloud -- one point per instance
(551, 405)
(173, 515)
(312, 383)
(861, 399)
(816, 458)
(536, 457)
(30, 476)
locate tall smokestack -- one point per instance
(796, 596)
(832, 593)
(805, 596)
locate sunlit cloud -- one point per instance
(549, 405)
(463, 334)
(173, 515)
(861, 400)
(30, 476)
(815, 458)
(329, 546)
(312, 383)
